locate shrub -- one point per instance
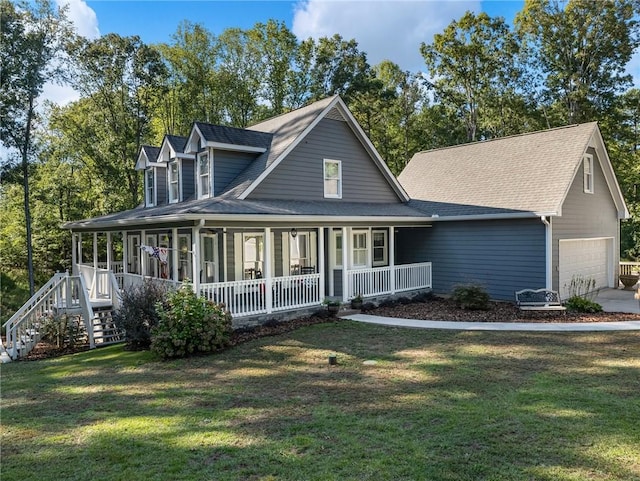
(471, 296)
(63, 331)
(580, 304)
(138, 314)
(580, 286)
(189, 324)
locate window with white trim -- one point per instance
(588, 173)
(332, 179)
(173, 173)
(149, 179)
(360, 251)
(379, 248)
(338, 248)
(204, 184)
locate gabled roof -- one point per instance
(148, 155)
(288, 130)
(173, 147)
(228, 138)
(522, 173)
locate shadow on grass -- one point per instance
(437, 405)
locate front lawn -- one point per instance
(437, 405)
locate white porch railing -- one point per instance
(61, 294)
(241, 298)
(388, 280)
(628, 268)
(291, 292)
(116, 266)
(127, 281)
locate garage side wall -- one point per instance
(502, 255)
(586, 216)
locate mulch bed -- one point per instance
(441, 309)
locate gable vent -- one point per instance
(334, 114)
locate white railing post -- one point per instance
(346, 245)
(392, 259)
(267, 270)
(74, 253)
(321, 263)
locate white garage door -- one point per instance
(589, 258)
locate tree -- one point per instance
(471, 66)
(582, 48)
(121, 80)
(32, 35)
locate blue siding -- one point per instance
(502, 255)
(226, 167)
(161, 185)
(188, 179)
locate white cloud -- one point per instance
(85, 23)
(385, 30)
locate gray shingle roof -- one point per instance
(233, 135)
(151, 152)
(227, 208)
(176, 142)
(529, 172)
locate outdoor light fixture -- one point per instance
(294, 233)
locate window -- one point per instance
(379, 248)
(333, 179)
(174, 181)
(588, 174)
(204, 186)
(148, 187)
(360, 250)
(184, 257)
(300, 252)
(338, 248)
(209, 243)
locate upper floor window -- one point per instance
(333, 179)
(174, 181)
(149, 180)
(204, 184)
(588, 173)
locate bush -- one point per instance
(138, 314)
(580, 304)
(62, 331)
(471, 296)
(189, 324)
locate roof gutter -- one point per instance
(519, 215)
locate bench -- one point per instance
(539, 300)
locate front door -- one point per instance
(209, 256)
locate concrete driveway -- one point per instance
(618, 300)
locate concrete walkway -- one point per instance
(611, 300)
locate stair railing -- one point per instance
(23, 328)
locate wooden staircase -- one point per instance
(64, 295)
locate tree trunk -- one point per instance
(25, 182)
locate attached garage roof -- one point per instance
(523, 173)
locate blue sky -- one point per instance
(384, 29)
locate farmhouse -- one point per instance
(279, 216)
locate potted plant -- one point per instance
(356, 302)
(629, 280)
(333, 306)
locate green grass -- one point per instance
(438, 405)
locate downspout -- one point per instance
(548, 251)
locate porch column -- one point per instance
(108, 251)
(125, 253)
(195, 256)
(346, 245)
(268, 286)
(79, 247)
(144, 257)
(95, 250)
(321, 265)
(74, 254)
(174, 253)
(392, 258)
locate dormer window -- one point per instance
(588, 173)
(332, 179)
(204, 182)
(149, 187)
(174, 181)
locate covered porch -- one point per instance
(253, 269)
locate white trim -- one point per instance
(548, 240)
(588, 174)
(188, 147)
(234, 147)
(153, 201)
(337, 195)
(367, 248)
(385, 260)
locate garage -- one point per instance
(589, 258)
